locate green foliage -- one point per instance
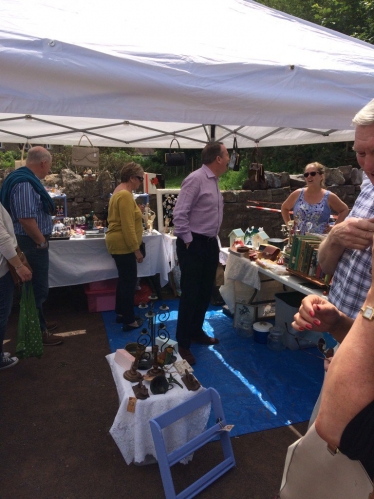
(291, 159)
(7, 159)
(351, 17)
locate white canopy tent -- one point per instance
(139, 72)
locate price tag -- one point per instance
(131, 404)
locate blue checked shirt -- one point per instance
(352, 276)
(26, 203)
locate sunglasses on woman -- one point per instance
(313, 174)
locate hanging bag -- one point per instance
(29, 335)
(312, 471)
(176, 158)
(234, 163)
(85, 156)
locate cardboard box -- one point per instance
(171, 343)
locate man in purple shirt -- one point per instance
(197, 218)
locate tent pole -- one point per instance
(212, 133)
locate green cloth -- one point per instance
(29, 335)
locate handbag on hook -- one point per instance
(87, 156)
(176, 158)
(234, 163)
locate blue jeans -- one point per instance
(39, 262)
(6, 301)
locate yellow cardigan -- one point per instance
(125, 230)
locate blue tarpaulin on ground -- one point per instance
(260, 389)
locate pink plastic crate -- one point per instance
(101, 300)
(107, 284)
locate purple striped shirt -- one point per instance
(199, 206)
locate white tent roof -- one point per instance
(136, 72)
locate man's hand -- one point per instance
(353, 233)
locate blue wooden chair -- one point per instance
(165, 460)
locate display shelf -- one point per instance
(319, 282)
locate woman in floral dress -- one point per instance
(312, 205)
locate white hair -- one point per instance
(366, 115)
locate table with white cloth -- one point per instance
(79, 261)
(131, 430)
(243, 276)
(171, 249)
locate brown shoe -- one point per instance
(50, 339)
(51, 325)
(186, 354)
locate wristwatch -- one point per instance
(43, 245)
(367, 313)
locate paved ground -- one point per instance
(56, 413)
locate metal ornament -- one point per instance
(132, 374)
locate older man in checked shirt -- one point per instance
(347, 250)
(197, 219)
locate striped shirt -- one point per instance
(352, 276)
(199, 206)
(26, 203)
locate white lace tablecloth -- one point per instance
(132, 432)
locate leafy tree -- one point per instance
(7, 159)
(351, 17)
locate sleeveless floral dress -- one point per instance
(311, 217)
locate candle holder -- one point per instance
(287, 231)
(133, 375)
(156, 327)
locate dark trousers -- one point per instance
(39, 262)
(198, 264)
(125, 292)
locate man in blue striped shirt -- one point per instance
(31, 207)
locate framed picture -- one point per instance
(166, 199)
(266, 310)
(245, 315)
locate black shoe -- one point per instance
(119, 318)
(128, 327)
(203, 339)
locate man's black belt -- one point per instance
(204, 238)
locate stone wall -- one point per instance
(85, 194)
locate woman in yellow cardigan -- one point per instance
(123, 241)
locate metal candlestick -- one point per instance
(148, 335)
